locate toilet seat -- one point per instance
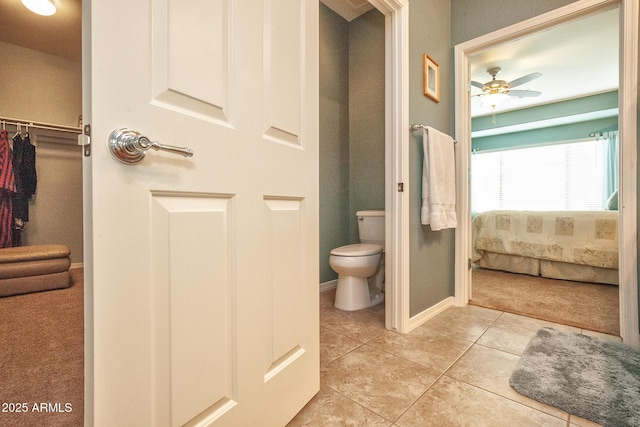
(357, 249)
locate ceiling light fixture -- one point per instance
(493, 99)
(41, 7)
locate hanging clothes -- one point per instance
(7, 191)
(20, 205)
(24, 169)
(28, 169)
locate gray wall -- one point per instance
(431, 253)
(474, 18)
(351, 126)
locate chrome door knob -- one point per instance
(130, 147)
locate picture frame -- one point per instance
(431, 78)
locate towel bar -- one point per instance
(414, 128)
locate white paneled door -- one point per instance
(204, 269)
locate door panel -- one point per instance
(192, 57)
(205, 269)
(193, 306)
(282, 70)
(284, 243)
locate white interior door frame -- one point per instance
(628, 128)
(396, 14)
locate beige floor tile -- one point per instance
(496, 368)
(601, 335)
(326, 298)
(507, 337)
(453, 403)
(379, 381)
(362, 325)
(330, 408)
(334, 345)
(434, 351)
(474, 310)
(458, 323)
(581, 422)
(324, 371)
(531, 323)
(391, 377)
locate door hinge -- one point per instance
(84, 139)
(400, 187)
(469, 263)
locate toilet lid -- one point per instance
(358, 249)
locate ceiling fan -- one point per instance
(498, 90)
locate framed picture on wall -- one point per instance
(431, 78)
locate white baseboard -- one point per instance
(430, 313)
(76, 265)
(331, 284)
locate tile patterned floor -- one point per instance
(452, 371)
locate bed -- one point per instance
(570, 245)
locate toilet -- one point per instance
(360, 266)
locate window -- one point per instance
(566, 176)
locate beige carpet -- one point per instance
(42, 357)
(584, 305)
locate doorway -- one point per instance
(628, 138)
(42, 92)
(532, 155)
(396, 162)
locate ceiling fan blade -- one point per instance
(524, 79)
(476, 84)
(524, 93)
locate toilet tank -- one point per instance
(371, 227)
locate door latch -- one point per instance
(84, 139)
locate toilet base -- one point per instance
(352, 293)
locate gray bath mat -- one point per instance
(584, 376)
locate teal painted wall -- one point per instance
(334, 137)
(351, 126)
(580, 130)
(366, 116)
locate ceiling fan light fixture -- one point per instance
(495, 92)
(494, 99)
(41, 7)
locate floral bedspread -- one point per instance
(578, 237)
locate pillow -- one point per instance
(612, 201)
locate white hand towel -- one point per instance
(438, 180)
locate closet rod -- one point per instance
(38, 125)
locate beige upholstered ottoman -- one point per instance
(35, 268)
